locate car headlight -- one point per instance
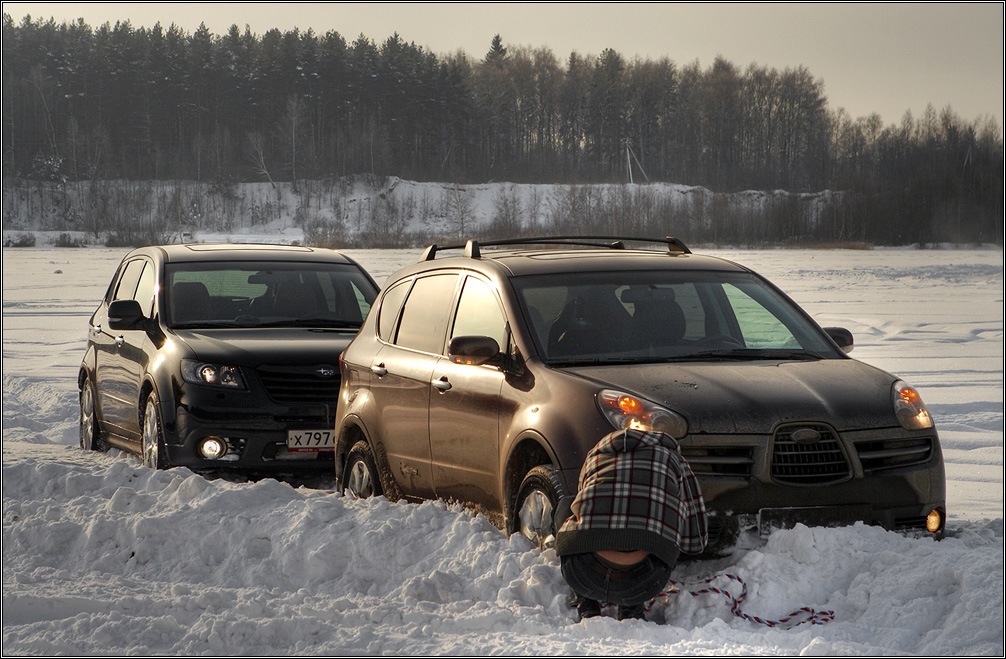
(909, 408)
(216, 374)
(627, 411)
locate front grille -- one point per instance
(876, 455)
(301, 384)
(822, 462)
(732, 461)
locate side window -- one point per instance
(145, 291)
(390, 306)
(426, 313)
(127, 282)
(479, 313)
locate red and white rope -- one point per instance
(803, 615)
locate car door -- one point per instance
(401, 376)
(122, 354)
(465, 405)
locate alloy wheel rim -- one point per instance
(86, 419)
(536, 518)
(150, 436)
(360, 484)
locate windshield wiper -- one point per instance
(596, 361)
(314, 322)
(747, 354)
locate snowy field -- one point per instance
(102, 556)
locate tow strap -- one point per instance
(803, 615)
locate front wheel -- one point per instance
(89, 431)
(152, 444)
(360, 478)
(537, 497)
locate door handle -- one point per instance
(379, 370)
(442, 384)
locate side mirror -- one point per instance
(842, 337)
(126, 315)
(474, 350)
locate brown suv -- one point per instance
(486, 377)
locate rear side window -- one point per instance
(426, 313)
(390, 306)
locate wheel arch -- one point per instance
(529, 451)
(352, 431)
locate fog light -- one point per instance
(213, 448)
(934, 521)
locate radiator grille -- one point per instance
(303, 385)
(822, 462)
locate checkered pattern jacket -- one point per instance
(636, 491)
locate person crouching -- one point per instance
(637, 508)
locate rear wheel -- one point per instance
(537, 497)
(90, 432)
(152, 444)
(360, 478)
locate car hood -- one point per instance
(256, 346)
(753, 397)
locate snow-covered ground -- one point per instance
(104, 556)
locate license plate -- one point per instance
(310, 440)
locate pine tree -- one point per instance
(497, 52)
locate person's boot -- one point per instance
(637, 612)
(587, 608)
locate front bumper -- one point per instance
(891, 478)
(256, 439)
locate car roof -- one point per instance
(214, 252)
(557, 255)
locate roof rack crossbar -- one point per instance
(473, 247)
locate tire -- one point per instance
(152, 450)
(537, 497)
(360, 478)
(89, 431)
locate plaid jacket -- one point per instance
(636, 491)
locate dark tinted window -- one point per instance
(661, 315)
(425, 316)
(253, 294)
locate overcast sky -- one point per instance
(887, 58)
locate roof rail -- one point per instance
(473, 247)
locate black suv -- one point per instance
(215, 355)
(486, 377)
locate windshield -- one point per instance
(265, 294)
(625, 317)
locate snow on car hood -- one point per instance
(255, 346)
(755, 396)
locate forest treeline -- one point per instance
(118, 102)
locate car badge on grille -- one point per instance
(325, 372)
(806, 436)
